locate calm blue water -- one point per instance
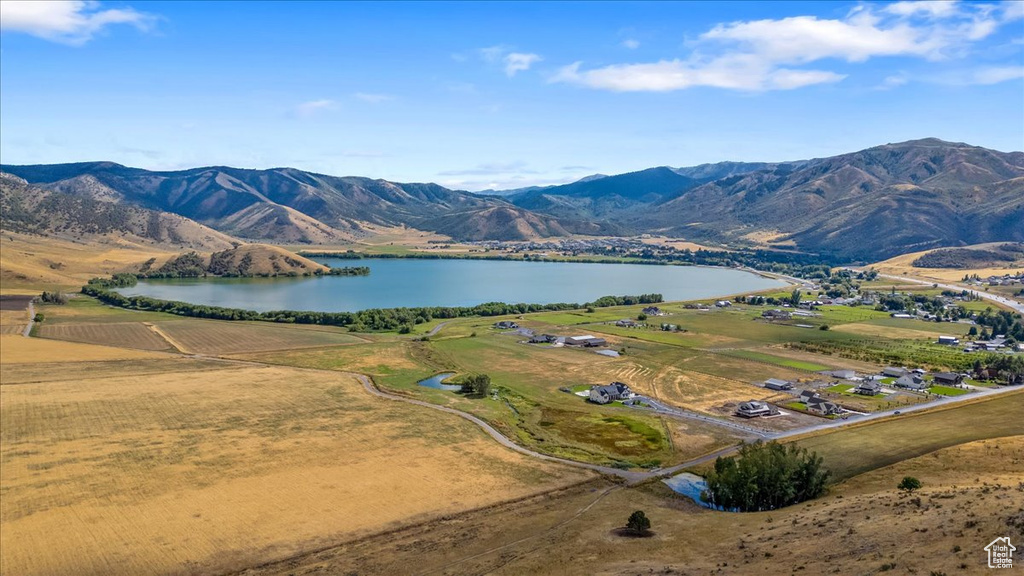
(401, 282)
(435, 382)
(689, 485)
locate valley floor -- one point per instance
(155, 444)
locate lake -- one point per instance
(407, 282)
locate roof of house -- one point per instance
(778, 382)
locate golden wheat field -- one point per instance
(221, 465)
(18, 350)
(123, 334)
(213, 337)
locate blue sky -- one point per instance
(500, 94)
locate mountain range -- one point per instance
(864, 205)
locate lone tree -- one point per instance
(794, 298)
(909, 484)
(638, 523)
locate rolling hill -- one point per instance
(289, 205)
(101, 218)
(865, 205)
(874, 203)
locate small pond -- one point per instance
(691, 486)
(436, 382)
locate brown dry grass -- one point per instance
(216, 337)
(903, 264)
(215, 469)
(20, 350)
(120, 334)
(28, 261)
(862, 525)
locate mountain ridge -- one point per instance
(867, 204)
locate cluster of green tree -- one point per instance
(187, 265)
(766, 476)
(844, 283)
(911, 303)
(477, 385)
(1008, 368)
(346, 271)
(119, 280)
(58, 298)
(1001, 322)
(365, 320)
(966, 257)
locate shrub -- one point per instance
(909, 484)
(638, 523)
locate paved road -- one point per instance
(437, 328)
(666, 410)
(1014, 304)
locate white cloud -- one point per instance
(735, 73)
(373, 98)
(307, 109)
(511, 62)
(932, 8)
(519, 62)
(891, 82)
(631, 43)
(67, 22)
(762, 55)
(996, 74)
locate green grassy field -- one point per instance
(857, 449)
(778, 360)
(948, 390)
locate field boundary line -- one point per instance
(174, 343)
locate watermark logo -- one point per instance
(1000, 553)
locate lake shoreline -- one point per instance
(457, 283)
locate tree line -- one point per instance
(385, 319)
(766, 476)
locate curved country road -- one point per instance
(630, 477)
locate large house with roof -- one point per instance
(610, 393)
(753, 409)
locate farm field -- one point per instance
(857, 449)
(120, 334)
(213, 337)
(217, 468)
(778, 360)
(19, 350)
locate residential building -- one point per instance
(587, 341)
(506, 325)
(948, 378)
(610, 393)
(910, 382)
(823, 407)
(753, 409)
(777, 384)
(869, 388)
